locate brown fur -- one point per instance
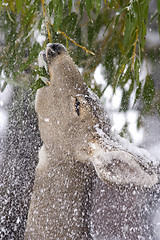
(68, 117)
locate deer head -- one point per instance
(72, 121)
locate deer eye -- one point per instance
(77, 107)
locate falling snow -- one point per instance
(114, 213)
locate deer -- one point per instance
(78, 146)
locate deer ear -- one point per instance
(121, 167)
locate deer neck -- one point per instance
(60, 203)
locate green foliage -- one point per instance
(148, 93)
(114, 30)
(58, 11)
(19, 4)
(37, 84)
(43, 79)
